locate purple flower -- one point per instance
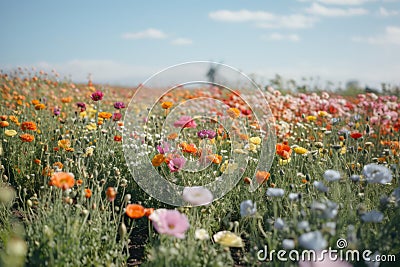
(176, 164)
(117, 116)
(185, 122)
(119, 105)
(163, 148)
(56, 111)
(210, 134)
(170, 222)
(96, 96)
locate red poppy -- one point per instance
(356, 135)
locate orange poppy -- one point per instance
(105, 115)
(148, 211)
(27, 138)
(66, 99)
(157, 160)
(79, 182)
(117, 138)
(172, 136)
(166, 105)
(233, 113)
(28, 125)
(35, 102)
(284, 151)
(3, 117)
(135, 211)
(40, 106)
(262, 176)
(13, 119)
(111, 193)
(63, 180)
(37, 161)
(188, 148)
(217, 159)
(58, 164)
(88, 193)
(4, 124)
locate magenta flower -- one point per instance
(56, 111)
(96, 96)
(185, 122)
(81, 105)
(117, 116)
(210, 134)
(163, 148)
(119, 105)
(170, 222)
(176, 164)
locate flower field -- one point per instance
(75, 175)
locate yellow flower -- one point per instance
(92, 112)
(300, 150)
(311, 118)
(92, 126)
(228, 239)
(252, 147)
(343, 150)
(255, 140)
(284, 161)
(10, 133)
(64, 143)
(83, 114)
(322, 113)
(228, 168)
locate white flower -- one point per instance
(201, 234)
(303, 225)
(248, 208)
(355, 178)
(228, 239)
(313, 240)
(275, 192)
(288, 244)
(374, 173)
(328, 209)
(320, 186)
(372, 216)
(279, 224)
(294, 196)
(331, 175)
(197, 195)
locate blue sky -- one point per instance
(124, 42)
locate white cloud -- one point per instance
(320, 10)
(146, 34)
(387, 13)
(340, 2)
(265, 19)
(281, 37)
(241, 15)
(182, 41)
(391, 36)
(295, 21)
